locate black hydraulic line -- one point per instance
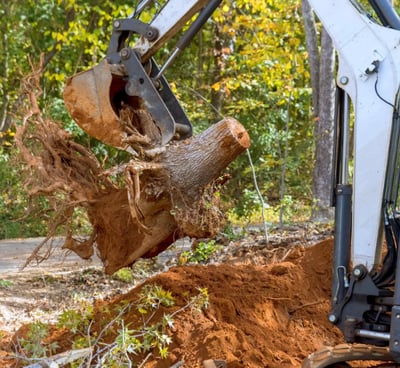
(391, 194)
(340, 156)
(337, 147)
(394, 346)
(387, 273)
(204, 15)
(386, 13)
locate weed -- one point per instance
(5, 283)
(232, 233)
(202, 253)
(124, 275)
(33, 345)
(154, 296)
(77, 320)
(153, 333)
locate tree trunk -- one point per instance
(313, 53)
(217, 95)
(168, 198)
(322, 83)
(323, 133)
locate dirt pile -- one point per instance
(258, 315)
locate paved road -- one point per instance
(14, 253)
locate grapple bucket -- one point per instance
(123, 108)
(87, 98)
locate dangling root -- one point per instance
(132, 175)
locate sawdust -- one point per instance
(270, 315)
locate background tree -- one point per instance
(321, 59)
(264, 80)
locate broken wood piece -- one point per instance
(214, 363)
(62, 359)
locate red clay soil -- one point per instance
(272, 315)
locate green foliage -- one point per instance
(253, 56)
(33, 345)
(153, 333)
(232, 231)
(5, 283)
(154, 296)
(201, 254)
(15, 222)
(77, 320)
(124, 275)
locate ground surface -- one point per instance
(268, 303)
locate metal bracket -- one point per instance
(394, 342)
(162, 106)
(122, 28)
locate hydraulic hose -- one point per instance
(386, 13)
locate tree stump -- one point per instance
(167, 198)
(164, 197)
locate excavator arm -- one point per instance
(366, 288)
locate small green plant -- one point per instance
(5, 283)
(201, 253)
(232, 233)
(33, 345)
(154, 332)
(151, 333)
(124, 275)
(77, 320)
(154, 296)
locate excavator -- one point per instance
(365, 301)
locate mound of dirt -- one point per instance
(258, 316)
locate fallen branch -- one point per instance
(61, 359)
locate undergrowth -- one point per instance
(118, 343)
(201, 253)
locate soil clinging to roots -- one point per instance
(133, 208)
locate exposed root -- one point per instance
(60, 170)
(132, 172)
(201, 218)
(142, 133)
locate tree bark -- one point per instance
(313, 53)
(323, 133)
(322, 83)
